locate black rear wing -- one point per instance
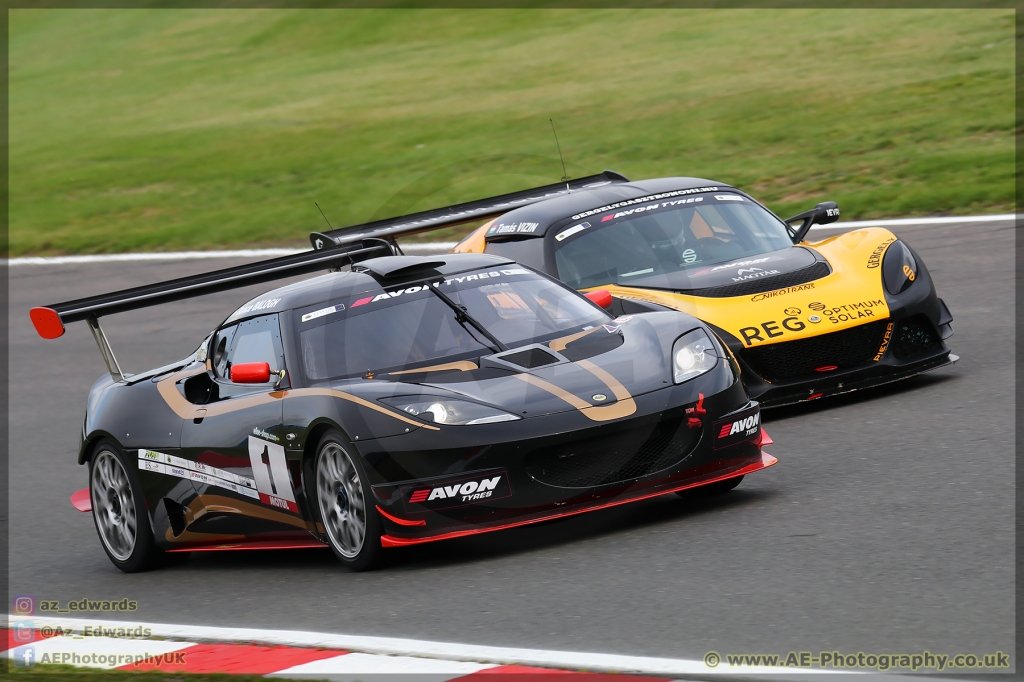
(334, 249)
(459, 214)
(49, 320)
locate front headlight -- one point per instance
(449, 411)
(693, 354)
(899, 269)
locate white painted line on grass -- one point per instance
(448, 651)
(431, 247)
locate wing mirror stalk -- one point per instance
(824, 213)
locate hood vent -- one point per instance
(529, 358)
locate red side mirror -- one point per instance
(601, 297)
(250, 373)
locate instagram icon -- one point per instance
(24, 605)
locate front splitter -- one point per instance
(391, 541)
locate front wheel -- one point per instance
(345, 505)
(119, 511)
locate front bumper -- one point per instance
(884, 361)
(561, 465)
(730, 469)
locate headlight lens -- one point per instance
(899, 269)
(693, 354)
(449, 411)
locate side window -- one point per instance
(255, 340)
(219, 350)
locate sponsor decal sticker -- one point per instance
(265, 435)
(875, 259)
(492, 485)
(270, 469)
(644, 200)
(169, 465)
(565, 234)
(316, 314)
(816, 306)
(852, 311)
(728, 197)
(610, 328)
(737, 429)
(745, 274)
(689, 256)
(771, 329)
(861, 310)
(885, 342)
(388, 295)
(792, 311)
(514, 228)
(739, 264)
(781, 292)
(262, 304)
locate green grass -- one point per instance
(168, 129)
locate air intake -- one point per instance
(529, 358)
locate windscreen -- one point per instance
(663, 238)
(394, 329)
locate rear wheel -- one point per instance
(119, 511)
(716, 488)
(345, 504)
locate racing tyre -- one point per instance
(716, 488)
(344, 504)
(119, 511)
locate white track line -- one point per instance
(192, 255)
(946, 220)
(432, 247)
(570, 660)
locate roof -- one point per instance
(368, 275)
(535, 219)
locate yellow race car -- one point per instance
(803, 319)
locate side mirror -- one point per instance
(824, 213)
(601, 297)
(250, 373)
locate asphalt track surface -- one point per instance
(886, 527)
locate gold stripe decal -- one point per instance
(624, 406)
(186, 410)
(461, 365)
(330, 392)
(559, 344)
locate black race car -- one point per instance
(407, 400)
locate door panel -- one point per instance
(237, 436)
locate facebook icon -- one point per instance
(24, 657)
